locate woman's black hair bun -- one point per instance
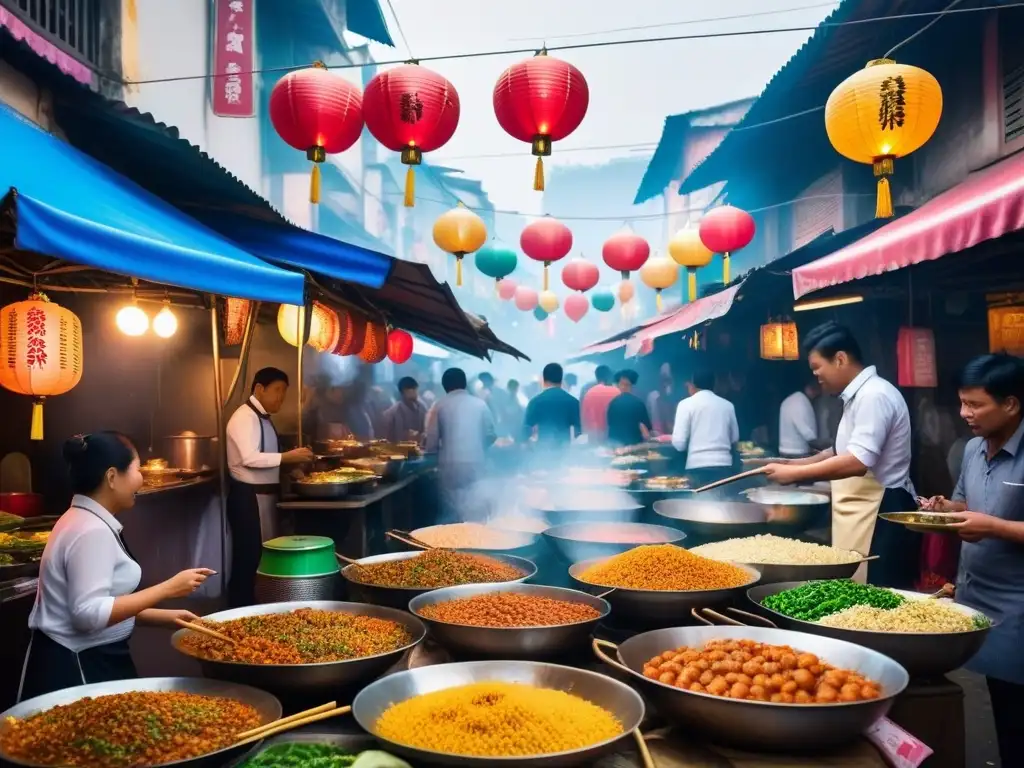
(74, 447)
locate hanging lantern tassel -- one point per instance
(546, 263)
(458, 267)
(541, 148)
(315, 155)
(691, 283)
(538, 175)
(657, 300)
(37, 419)
(411, 156)
(883, 203)
(725, 268)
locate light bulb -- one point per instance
(132, 321)
(165, 324)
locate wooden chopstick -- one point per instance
(733, 479)
(346, 560)
(204, 631)
(641, 746)
(408, 539)
(282, 726)
(284, 720)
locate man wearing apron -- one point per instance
(254, 462)
(869, 465)
(991, 573)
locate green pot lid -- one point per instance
(496, 260)
(298, 543)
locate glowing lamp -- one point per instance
(779, 341)
(165, 324)
(236, 318)
(687, 250)
(458, 232)
(131, 320)
(375, 345)
(40, 352)
(881, 113)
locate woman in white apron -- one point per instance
(869, 465)
(86, 603)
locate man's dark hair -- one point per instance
(603, 374)
(267, 376)
(453, 379)
(829, 339)
(406, 383)
(486, 379)
(629, 374)
(552, 373)
(513, 385)
(1000, 375)
(703, 379)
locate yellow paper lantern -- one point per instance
(659, 273)
(884, 111)
(548, 301)
(459, 232)
(324, 326)
(687, 250)
(780, 341)
(40, 352)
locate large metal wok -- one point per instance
(923, 654)
(399, 597)
(656, 607)
(569, 504)
(307, 678)
(615, 697)
(760, 725)
(588, 541)
(335, 490)
(757, 511)
(268, 707)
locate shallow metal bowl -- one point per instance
(773, 573)
(791, 507)
(760, 725)
(268, 707)
(617, 698)
(711, 519)
(510, 642)
(655, 607)
(923, 654)
(306, 678)
(578, 541)
(519, 541)
(399, 597)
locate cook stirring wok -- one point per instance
(869, 465)
(86, 601)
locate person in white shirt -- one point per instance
(86, 603)
(254, 463)
(798, 424)
(706, 429)
(869, 466)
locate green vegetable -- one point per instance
(981, 622)
(817, 599)
(302, 755)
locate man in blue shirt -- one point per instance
(990, 497)
(553, 416)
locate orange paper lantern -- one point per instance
(40, 352)
(375, 345)
(236, 318)
(351, 335)
(779, 341)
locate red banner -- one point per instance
(915, 358)
(234, 41)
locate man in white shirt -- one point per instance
(798, 424)
(869, 467)
(254, 463)
(706, 429)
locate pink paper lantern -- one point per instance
(525, 298)
(546, 240)
(506, 289)
(725, 230)
(576, 306)
(580, 275)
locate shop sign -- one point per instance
(234, 41)
(915, 358)
(1006, 330)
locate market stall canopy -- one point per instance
(67, 206)
(987, 205)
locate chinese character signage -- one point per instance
(915, 358)
(1006, 330)
(234, 38)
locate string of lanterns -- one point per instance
(344, 333)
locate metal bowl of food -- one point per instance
(714, 519)
(764, 725)
(648, 607)
(305, 678)
(399, 597)
(349, 449)
(793, 508)
(478, 537)
(388, 467)
(560, 505)
(617, 698)
(532, 642)
(923, 654)
(267, 709)
(590, 541)
(335, 483)
(774, 573)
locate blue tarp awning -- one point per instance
(71, 207)
(366, 18)
(287, 244)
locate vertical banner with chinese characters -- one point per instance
(234, 40)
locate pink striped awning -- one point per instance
(686, 317)
(986, 205)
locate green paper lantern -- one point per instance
(496, 260)
(603, 300)
(540, 314)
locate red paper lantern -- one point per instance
(546, 240)
(236, 318)
(318, 113)
(507, 289)
(724, 230)
(412, 110)
(526, 298)
(540, 101)
(580, 275)
(625, 252)
(576, 306)
(375, 345)
(351, 335)
(399, 346)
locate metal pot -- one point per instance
(191, 451)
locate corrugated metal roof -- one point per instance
(830, 55)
